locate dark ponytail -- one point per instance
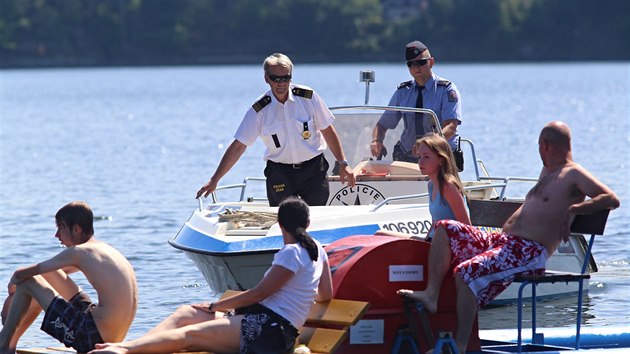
(293, 215)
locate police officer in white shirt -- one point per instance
(296, 127)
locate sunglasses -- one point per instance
(417, 63)
(280, 78)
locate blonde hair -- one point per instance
(277, 59)
(448, 168)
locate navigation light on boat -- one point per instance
(367, 76)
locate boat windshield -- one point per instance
(354, 125)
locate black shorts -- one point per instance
(308, 180)
(71, 322)
(265, 332)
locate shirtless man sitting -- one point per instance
(529, 236)
(70, 315)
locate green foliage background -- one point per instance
(164, 32)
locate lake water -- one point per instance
(137, 143)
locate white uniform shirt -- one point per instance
(294, 300)
(286, 122)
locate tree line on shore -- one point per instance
(37, 33)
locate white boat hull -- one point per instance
(235, 256)
(236, 260)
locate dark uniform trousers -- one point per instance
(399, 155)
(307, 180)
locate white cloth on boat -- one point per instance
(281, 127)
(293, 301)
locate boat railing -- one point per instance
(483, 167)
(242, 186)
(506, 180)
(426, 194)
(503, 186)
(474, 157)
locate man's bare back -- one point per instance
(113, 278)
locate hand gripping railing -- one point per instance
(242, 186)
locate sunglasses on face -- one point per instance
(417, 63)
(280, 78)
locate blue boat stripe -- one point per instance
(193, 240)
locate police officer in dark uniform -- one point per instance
(426, 90)
(296, 127)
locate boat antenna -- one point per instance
(367, 76)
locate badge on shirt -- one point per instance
(306, 134)
(452, 96)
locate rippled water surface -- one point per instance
(137, 143)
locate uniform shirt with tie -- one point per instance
(439, 95)
(282, 126)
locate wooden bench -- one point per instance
(494, 213)
(327, 323)
(325, 329)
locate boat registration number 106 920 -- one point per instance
(419, 227)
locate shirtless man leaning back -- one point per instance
(551, 205)
(529, 236)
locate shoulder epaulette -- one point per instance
(443, 82)
(302, 92)
(405, 84)
(261, 103)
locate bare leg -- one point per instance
(58, 280)
(27, 320)
(62, 283)
(36, 288)
(439, 263)
(185, 315)
(219, 335)
(466, 311)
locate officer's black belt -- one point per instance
(296, 166)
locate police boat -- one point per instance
(232, 240)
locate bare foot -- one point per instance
(429, 303)
(104, 348)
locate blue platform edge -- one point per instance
(592, 339)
